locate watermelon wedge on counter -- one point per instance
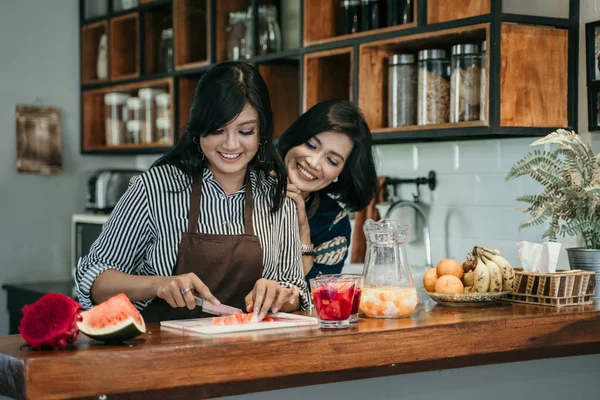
(112, 321)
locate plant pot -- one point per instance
(586, 259)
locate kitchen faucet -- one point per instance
(420, 211)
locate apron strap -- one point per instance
(195, 204)
(248, 224)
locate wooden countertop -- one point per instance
(169, 364)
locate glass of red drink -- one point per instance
(333, 297)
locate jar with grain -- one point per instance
(148, 114)
(134, 108)
(484, 95)
(133, 131)
(115, 115)
(465, 83)
(433, 104)
(163, 130)
(162, 105)
(402, 90)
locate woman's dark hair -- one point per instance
(357, 184)
(221, 95)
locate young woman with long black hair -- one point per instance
(206, 219)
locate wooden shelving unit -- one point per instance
(531, 63)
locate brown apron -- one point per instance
(229, 265)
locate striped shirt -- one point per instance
(143, 232)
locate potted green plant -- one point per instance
(570, 200)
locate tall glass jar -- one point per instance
(388, 289)
(402, 90)
(115, 115)
(236, 35)
(465, 83)
(372, 14)
(165, 56)
(148, 114)
(399, 12)
(350, 16)
(269, 31)
(434, 87)
(484, 95)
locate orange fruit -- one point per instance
(429, 279)
(448, 284)
(449, 266)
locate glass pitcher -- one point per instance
(388, 289)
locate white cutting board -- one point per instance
(203, 325)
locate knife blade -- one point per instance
(221, 309)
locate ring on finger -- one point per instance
(184, 291)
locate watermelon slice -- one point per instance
(112, 321)
(239, 319)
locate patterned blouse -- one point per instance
(330, 232)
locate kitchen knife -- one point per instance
(221, 309)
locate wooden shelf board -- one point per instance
(131, 146)
(372, 32)
(199, 64)
(409, 128)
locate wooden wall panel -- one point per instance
(534, 77)
(283, 81)
(320, 20)
(328, 74)
(449, 10)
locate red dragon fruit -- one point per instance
(50, 322)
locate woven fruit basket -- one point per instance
(558, 289)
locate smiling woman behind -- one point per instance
(206, 219)
(328, 156)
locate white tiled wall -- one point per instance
(472, 204)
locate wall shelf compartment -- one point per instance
(328, 74)
(191, 33)
(156, 22)
(90, 49)
(124, 47)
(94, 118)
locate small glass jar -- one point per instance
(483, 100)
(399, 12)
(162, 105)
(115, 115)
(402, 90)
(163, 130)
(269, 36)
(165, 62)
(134, 108)
(236, 35)
(372, 14)
(133, 131)
(465, 83)
(350, 10)
(148, 113)
(434, 87)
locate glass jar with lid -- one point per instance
(483, 100)
(133, 131)
(236, 35)
(163, 130)
(465, 83)
(433, 104)
(372, 14)
(148, 113)
(269, 36)
(166, 50)
(350, 16)
(402, 90)
(134, 108)
(115, 115)
(163, 100)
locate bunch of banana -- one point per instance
(486, 271)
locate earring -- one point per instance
(335, 179)
(199, 148)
